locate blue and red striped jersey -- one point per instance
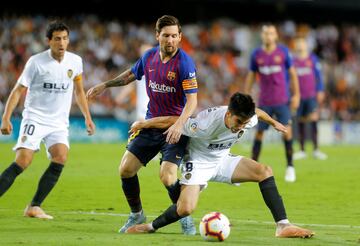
(166, 83)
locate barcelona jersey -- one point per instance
(166, 83)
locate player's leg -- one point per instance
(141, 149)
(30, 135)
(183, 208)
(313, 118)
(172, 155)
(262, 126)
(57, 146)
(22, 160)
(249, 170)
(301, 123)
(283, 115)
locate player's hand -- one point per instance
(95, 91)
(6, 127)
(136, 126)
(294, 103)
(90, 127)
(173, 133)
(280, 127)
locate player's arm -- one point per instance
(263, 116)
(162, 122)
(294, 88)
(121, 80)
(83, 105)
(12, 102)
(249, 81)
(174, 132)
(320, 95)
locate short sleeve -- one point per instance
(253, 122)
(253, 65)
(198, 127)
(188, 75)
(138, 69)
(28, 73)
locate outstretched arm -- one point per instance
(121, 80)
(175, 131)
(295, 91)
(83, 105)
(13, 100)
(162, 122)
(263, 116)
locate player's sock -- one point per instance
(256, 149)
(174, 191)
(289, 152)
(131, 188)
(314, 133)
(272, 198)
(8, 176)
(301, 127)
(167, 217)
(47, 182)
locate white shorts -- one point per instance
(32, 134)
(193, 173)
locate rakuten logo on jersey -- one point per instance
(57, 88)
(267, 70)
(301, 71)
(161, 87)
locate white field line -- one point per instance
(233, 219)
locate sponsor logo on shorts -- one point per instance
(188, 176)
(23, 139)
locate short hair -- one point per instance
(242, 105)
(167, 20)
(56, 26)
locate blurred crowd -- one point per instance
(221, 49)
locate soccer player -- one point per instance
(48, 80)
(212, 133)
(308, 69)
(272, 63)
(172, 89)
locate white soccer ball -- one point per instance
(214, 226)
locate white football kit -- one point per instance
(48, 99)
(208, 155)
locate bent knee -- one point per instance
(61, 159)
(266, 172)
(185, 209)
(168, 180)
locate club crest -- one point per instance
(70, 73)
(171, 75)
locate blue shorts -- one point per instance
(281, 113)
(147, 143)
(307, 106)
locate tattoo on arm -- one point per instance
(123, 79)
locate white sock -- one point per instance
(285, 221)
(137, 213)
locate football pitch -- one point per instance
(89, 206)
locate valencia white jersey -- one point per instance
(210, 140)
(50, 87)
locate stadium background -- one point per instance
(219, 35)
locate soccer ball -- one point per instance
(214, 226)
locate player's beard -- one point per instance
(169, 50)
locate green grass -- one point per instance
(89, 207)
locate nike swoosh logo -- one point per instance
(178, 157)
(151, 70)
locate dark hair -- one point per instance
(242, 105)
(56, 26)
(167, 20)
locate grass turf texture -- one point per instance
(89, 207)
